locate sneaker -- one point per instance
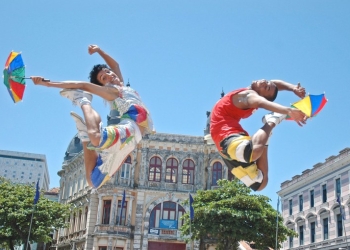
(274, 117)
(77, 96)
(81, 127)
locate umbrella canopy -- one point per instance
(311, 105)
(14, 74)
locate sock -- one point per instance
(84, 101)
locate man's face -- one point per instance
(264, 88)
(107, 76)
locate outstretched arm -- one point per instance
(256, 101)
(106, 92)
(113, 64)
(296, 89)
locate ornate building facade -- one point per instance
(157, 178)
(316, 205)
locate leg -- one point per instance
(90, 158)
(259, 140)
(92, 120)
(262, 164)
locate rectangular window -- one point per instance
(290, 207)
(312, 231)
(325, 229)
(324, 193)
(106, 212)
(339, 225)
(102, 248)
(291, 238)
(301, 235)
(312, 198)
(337, 187)
(300, 203)
(121, 220)
(125, 171)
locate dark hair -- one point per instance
(271, 99)
(95, 70)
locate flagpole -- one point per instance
(30, 227)
(36, 199)
(191, 218)
(343, 222)
(278, 204)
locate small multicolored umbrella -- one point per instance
(14, 76)
(311, 105)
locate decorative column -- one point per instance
(100, 207)
(131, 199)
(91, 222)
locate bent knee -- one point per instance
(95, 137)
(263, 184)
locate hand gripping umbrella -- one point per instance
(310, 105)
(14, 76)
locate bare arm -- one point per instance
(106, 92)
(256, 101)
(296, 89)
(113, 64)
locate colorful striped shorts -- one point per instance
(117, 142)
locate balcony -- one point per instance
(115, 229)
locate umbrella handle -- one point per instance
(43, 79)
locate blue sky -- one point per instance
(180, 55)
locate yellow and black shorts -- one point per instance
(237, 154)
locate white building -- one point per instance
(157, 178)
(24, 168)
(310, 207)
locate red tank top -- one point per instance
(225, 118)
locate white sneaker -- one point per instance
(274, 117)
(81, 126)
(77, 96)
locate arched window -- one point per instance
(155, 216)
(166, 215)
(188, 172)
(216, 173)
(155, 168)
(169, 210)
(125, 174)
(171, 170)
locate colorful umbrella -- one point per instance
(311, 105)
(14, 78)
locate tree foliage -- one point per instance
(16, 209)
(231, 214)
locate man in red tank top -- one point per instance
(244, 155)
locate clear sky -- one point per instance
(180, 55)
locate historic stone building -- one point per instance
(157, 178)
(313, 204)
